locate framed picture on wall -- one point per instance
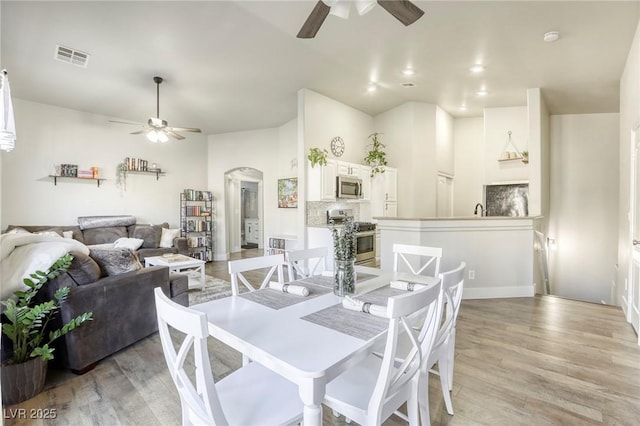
(288, 193)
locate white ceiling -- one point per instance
(237, 65)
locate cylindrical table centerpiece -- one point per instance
(344, 251)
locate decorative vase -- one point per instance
(345, 277)
(23, 381)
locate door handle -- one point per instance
(636, 242)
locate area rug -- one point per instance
(214, 288)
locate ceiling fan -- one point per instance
(403, 10)
(157, 130)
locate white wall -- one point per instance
(267, 150)
(497, 123)
(409, 131)
(444, 142)
(469, 153)
(629, 119)
(583, 213)
(50, 135)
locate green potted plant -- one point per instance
(525, 156)
(121, 176)
(376, 157)
(317, 156)
(25, 325)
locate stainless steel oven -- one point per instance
(365, 243)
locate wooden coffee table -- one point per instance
(178, 263)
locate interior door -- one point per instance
(444, 196)
(633, 288)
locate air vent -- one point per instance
(72, 56)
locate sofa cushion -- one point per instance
(90, 222)
(115, 261)
(168, 235)
(132, 244)
(104, 235)
(151, 234)
(83, 269)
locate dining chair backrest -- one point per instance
(396, 380)
(200, 402)
(275, 262)
(428, 257)
(307, 262)
(452, 287)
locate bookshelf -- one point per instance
(196, 222)
(279, 244)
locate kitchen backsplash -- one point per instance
(317, 211)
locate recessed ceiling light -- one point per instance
(408, 84)
(408, 71)
(372, 87)
(551, 36)
(482, 92)
(462, 108)
(477, 68)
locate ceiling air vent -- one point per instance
(72, 56)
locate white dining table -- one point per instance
(306, 353)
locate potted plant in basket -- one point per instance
(344, 250)
(25, 325)
(376, 157)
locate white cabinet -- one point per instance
(348, 169)
(365, 175)
(322, 182)
(384, 193)
(252, 231)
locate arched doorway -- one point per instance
(243, 208)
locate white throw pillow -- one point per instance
(132, 244)
(168, 235)
(67, 234)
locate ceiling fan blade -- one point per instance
(126, 122)
(314, 21)
(173, 134)
(184, 129)
(403, 10)
(139, 132)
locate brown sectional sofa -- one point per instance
(123, 305)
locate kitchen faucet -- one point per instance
(475, 211)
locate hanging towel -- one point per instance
(7, 122)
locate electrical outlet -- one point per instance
(472, 274)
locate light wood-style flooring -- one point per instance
(524, 361)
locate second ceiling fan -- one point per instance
(403, 10)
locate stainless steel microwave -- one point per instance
(348, 187)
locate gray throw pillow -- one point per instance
(104, 235)
(115, 261)
(83, 269)
(151, 234)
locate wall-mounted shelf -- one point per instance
(158, 172)
(511, 159)
(55, 179)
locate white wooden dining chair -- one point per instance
(443, 351)
(275, 262)
(251, 395)
(428, 257)
(307, 262)
(372, 390)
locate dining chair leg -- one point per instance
(423, 398)
(413, 406)
(451, 348)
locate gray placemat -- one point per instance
(357, 324)
(276, 299)
(330, 281)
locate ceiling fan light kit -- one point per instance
(403, 10)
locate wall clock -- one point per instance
(337, 146)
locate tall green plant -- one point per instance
(26, 324)
(317, 156)
(376, 157)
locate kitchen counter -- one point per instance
(499, 251)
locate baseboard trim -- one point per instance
(498, 292)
